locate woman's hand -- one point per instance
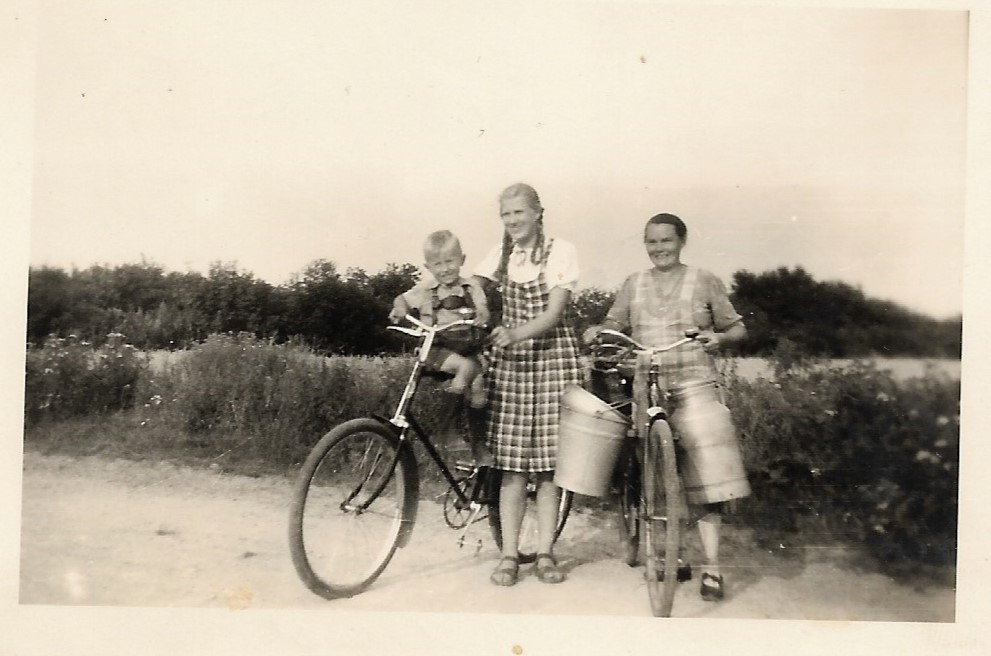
(503, 337)
(710, 341)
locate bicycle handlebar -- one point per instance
(423, 329)
(636, 347)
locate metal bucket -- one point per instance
(590, 433)
(712, 469)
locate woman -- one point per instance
(534, 357)
(658, 305)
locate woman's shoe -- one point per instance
(712, 587)
(684, 571)
(547, 569)
(507, 572)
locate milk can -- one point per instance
(712, 470)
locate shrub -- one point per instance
(68, 377)
(274, 401)
(854, 453)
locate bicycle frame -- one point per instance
(403, 419)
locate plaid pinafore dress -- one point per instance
(525, 381)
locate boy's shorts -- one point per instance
(437, 356)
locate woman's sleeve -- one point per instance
(562, 266)
(488, 266)
(724, 314)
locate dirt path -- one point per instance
(112, 532)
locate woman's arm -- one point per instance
(713, 341)
(557, 302)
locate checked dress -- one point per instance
(525, 381)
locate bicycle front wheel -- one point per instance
(349, 507)
(528, 530)
(628, 482)
(663, 522)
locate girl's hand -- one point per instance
(503, 337)
(590, 334)
(709, 340)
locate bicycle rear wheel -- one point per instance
(664, 520)
(353, 502)
(528, 530)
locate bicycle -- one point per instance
(356, 497)
(653, 456)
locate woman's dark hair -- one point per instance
(529, 194)
(668, 219)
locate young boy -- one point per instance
(444, 298)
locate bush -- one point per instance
(68, 377)
(275, 401)
(856, 454)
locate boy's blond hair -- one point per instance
(439, 241)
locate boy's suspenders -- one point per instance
(435, 300)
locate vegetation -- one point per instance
(338, 313)
(853, 453)
(841, 453)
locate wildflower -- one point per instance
(927, 456)
(941, 442)
(878, 528)
(831, 413)
(942, 420)
(882, 397)
(913, 413)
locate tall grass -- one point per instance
(855, 452)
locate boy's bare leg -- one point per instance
(464, 369)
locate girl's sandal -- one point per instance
(547, 569)
(507, 572)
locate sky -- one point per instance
(185, 133)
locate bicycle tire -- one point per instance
(527, 548)
(339, 547)
(660, 461)
(628, 483)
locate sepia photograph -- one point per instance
(523, 328)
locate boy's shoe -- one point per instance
(712, 587)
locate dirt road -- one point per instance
(113, 532)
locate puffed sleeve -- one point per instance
(490, 264)
(562, 266)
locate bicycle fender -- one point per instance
(412, 496)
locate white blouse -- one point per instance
(560, 270)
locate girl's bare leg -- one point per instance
(548, 500)
(512, 503)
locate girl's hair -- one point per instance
(668, 219)
(439, 241)
(528, 194)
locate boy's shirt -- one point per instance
(421, 297)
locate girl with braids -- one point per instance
(534, 357)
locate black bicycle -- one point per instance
(356, 498)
